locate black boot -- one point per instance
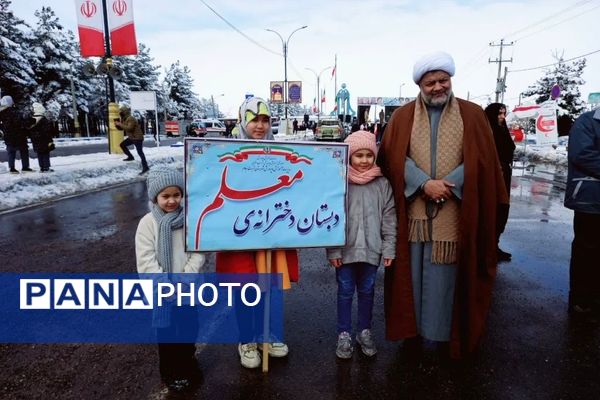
(503, 255)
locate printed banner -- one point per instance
(295, 92)
(122, 29)
(276, 92)
(128, 308)
(90, 24)
(244, 194)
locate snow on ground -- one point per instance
(83, 173)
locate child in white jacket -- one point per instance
(160, 248)
(370, 234)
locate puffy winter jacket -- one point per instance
(583, 180)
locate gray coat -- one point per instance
(371, 227)
(583, 180)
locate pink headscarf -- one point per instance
(360, 140)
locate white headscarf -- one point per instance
(249, 110)
(438, 61)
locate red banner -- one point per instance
(122, 29)
(90, 26)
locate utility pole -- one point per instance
(504, 85)
(500, 83)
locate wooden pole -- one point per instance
(265, 349)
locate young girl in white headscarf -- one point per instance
(255, 123)
(371, 234)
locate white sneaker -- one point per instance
(276, 349)
(344, 346)
(367, 345)
(249, 356)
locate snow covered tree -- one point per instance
(54, 64)
(138, 71)
(181, 101)
(568, 77)
(16, 74)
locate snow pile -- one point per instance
(78, 174)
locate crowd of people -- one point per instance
(421, 203)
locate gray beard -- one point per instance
(436, 103)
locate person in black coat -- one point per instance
(505, 147)
(41, 133)
(14, 135)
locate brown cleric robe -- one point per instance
(483, 190)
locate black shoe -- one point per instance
(13, 171)
(144, 171)
(503, 255)
(27, 170)
(129, 159)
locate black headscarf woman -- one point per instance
(505, 147)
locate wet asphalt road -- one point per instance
(531, 349)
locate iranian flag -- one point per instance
(90, 21)
(90, 26)
(122, 29)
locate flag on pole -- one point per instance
(323, 97)
(333, 71)
(122, 29)
(314, 107)
(90, 25)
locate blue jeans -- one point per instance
(359, 276)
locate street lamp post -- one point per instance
(318, 76)
(285, 44)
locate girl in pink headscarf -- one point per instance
(371, 234)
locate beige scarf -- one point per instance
(444, 227)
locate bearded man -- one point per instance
(439, 155)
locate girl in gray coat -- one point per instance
(371, 234)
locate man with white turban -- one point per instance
(438, 153)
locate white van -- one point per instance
(214, 127)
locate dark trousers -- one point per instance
(585, 268)
(503, 209)
(139, 147)
(178, 360)
(44, 161)
(12, 155)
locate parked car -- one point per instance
(329, 129)
(196, 128)
(214, 127)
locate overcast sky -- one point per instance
(376, 42)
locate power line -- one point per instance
(558, 23)
(556, 63)
(239, 31)
(545, 19)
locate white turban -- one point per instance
(438, 61)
